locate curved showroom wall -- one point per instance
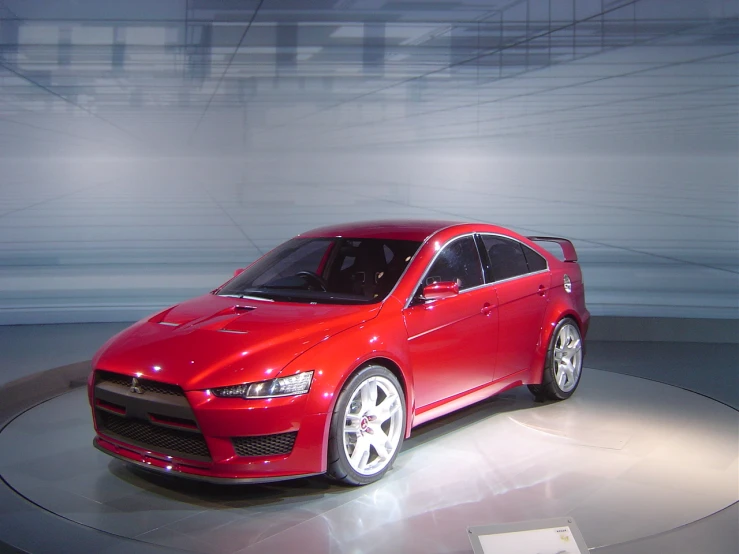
(148, 149)
(92, 239)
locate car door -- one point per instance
(521, 280)
(452, 341)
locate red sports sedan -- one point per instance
(322, 355)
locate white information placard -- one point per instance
(551, 536)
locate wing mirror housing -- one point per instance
(239, 271)
(442, 289)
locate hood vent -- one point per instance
(236, 311)
(171, 318)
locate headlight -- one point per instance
(282, 386)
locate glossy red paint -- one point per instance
(439, 291)
(521, 305)
(451, 344)
(447, 353)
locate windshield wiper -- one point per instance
(283, 294)
(285, 287)
(253, 294)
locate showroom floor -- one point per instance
(640, 466)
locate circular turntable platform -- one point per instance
(626, 457)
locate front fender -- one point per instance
(335, 359)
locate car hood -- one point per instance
(215, 341)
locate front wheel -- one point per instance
(563, 365)
(367, 427)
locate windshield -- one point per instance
(326, 270)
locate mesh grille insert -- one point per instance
(265, 445)
(145, 384)
(161, 439)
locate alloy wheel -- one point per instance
(373, 423)
(567, 357)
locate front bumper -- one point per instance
(153, 462)
(218, 421)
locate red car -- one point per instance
(322, 355)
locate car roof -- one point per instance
(400, 229)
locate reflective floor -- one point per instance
(626, 457)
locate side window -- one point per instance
(506, 257)
(536, 261)
(458, 261)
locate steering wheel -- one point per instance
(313, 278)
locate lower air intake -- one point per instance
(185, 444)
(265, 445)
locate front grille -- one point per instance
(160, 439)
(264, 445)
(146, 385)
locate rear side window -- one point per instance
(506, 257)
(536, 261)
(458, 261)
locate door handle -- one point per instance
(487, 308)
(542, 290)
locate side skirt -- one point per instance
(462, 400)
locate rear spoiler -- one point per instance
(568, 250)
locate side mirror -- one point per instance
(442, 289)
(239, 271)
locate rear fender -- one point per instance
(561, 305)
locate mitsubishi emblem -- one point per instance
(136, 387)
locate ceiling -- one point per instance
(223, 77)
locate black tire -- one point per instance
(568, 331)
(340, 467)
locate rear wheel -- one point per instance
(563, 365)
(367, 427)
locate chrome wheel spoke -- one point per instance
(568, 352)
(352, 424)
(361, 453)
(561, 378)
(387, 408)
(380, 441)
(569, 372)
(369, 395)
